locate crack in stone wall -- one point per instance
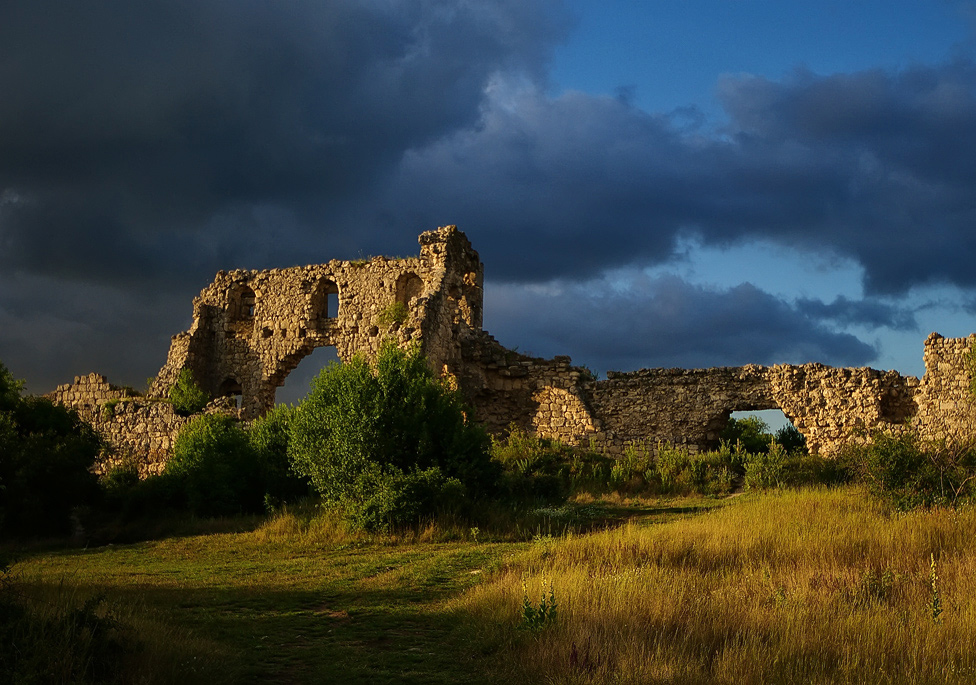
(251, 329)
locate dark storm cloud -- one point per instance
(876, 166)
(866, 313)
(635, 321)
(145, 145)
(121, 120)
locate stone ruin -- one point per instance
(251, 329)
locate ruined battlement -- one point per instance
(250, 329)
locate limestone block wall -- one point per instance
(832, 407)
(251, 328)
(138, 430)
(946, 408)
(544, 396)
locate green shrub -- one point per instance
(792, 440)
(753, 434)
(909, 473)
(535, 469)
(215, 467)
(46, 453)
(393, 499)
(765, 469)
(364, 427)
(395, 313)
(268, 436)
(187, 397)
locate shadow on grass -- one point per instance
(338, 632)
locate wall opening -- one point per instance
(774, 418)
(777, 424)
(232, 388)
(408, 286)
(299, 381)
(241, 303)
(325, 300)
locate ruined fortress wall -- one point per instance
(946, 407)
(251, 328)
(678, 406)
(832, 407)
(140, 432)
(506, 388)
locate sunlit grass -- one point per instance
(792, 586)
(811, 586)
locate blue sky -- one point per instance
(672, 53)
(696, 183)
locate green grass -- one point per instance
(822, 586)
(304, 599)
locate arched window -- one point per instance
(408, 286)
(240, 303)
(325, 300)
(232, 388)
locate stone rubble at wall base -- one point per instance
(251, 328)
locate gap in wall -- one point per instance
(299, 381)
(774, 418)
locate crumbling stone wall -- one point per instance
(251, 328)
(690, 407)
(139, 431)
(506, 388)
(946, 407)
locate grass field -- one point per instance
(793, 586)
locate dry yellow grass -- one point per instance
(805, 587)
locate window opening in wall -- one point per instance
(325, 300)
(231, 388)
(299, 381)
(408, 286)
(242, 301)
(773, 418)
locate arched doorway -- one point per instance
(298, 382)
(231, 387)
(771, 422)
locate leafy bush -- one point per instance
(792, 440)
(395, 313)
(187, 397)
(46, 453)
(367, 428)
(908, 473)
(753, 434)
(765, 469)
(534, 468)
(396, 498)
(547, 469)
(215, 468)
(268, 436)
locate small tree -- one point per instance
(751, 431)
(187, 397)
(268, 436)
(215, 467)
(46, 453)
(367, 436)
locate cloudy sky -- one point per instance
(668, 183)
